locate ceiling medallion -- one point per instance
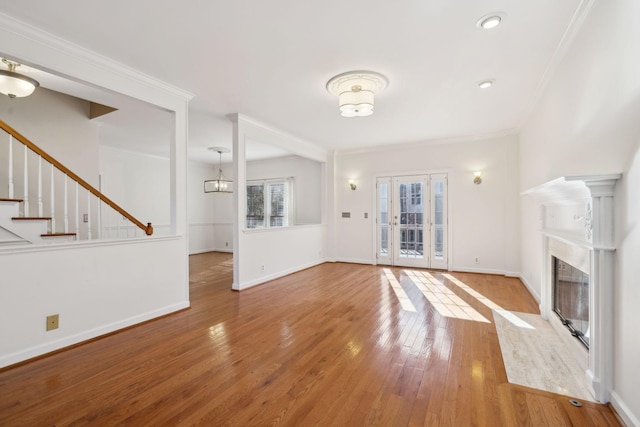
(355, 91)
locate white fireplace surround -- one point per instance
(577, 227)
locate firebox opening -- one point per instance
(571, 298)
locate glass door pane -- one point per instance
(409, 221)
(383, 225)
(439, 221)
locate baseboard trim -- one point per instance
(476, 270)
(623, 411)
(225, 250)
(202, 251)
(530, 289)
(353, 261)
(40, 350)
(261, 280)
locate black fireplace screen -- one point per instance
(571, 298)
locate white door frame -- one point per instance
(374, 209)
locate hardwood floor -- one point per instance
(329, 346)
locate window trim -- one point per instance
(287, 182)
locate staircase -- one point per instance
(25, 223)
(16, 229)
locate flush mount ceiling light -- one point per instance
(355, 91)
(490, 20)
(220, 184)
(13, 84)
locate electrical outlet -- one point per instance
(262, 267)
(85, 218)
(226, 244)
(52, 322)
(477, 260)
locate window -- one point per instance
(268, 203)
(255, 206)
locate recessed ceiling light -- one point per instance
(485, 84)
(490, 20)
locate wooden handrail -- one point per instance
(148, 229)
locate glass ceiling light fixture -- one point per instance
(13, 84)
(220, 184)
(490, 20)
(355, 91)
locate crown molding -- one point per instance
(42, 50)
(435, 141)
(580, 15)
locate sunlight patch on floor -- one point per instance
(487, 302)
(443, 299)
(402, 296)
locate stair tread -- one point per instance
(30, 218)
(11, 200)
(57, 234)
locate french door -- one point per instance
(412, 221)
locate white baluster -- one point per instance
(66, 206)
(25, 203)
(108, 227)
(53, 201)
(77, 213)
(40, 205)
(11, 166)
(118, 221)
(88, 215)
(99, 219)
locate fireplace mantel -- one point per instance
(577, 212)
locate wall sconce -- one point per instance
(476, 178)
(352, 184)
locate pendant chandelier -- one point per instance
(219, 184)
(15, 85)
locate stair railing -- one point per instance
(68, 174)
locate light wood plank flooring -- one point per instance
(328, 346)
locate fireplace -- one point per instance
(576, 289)
(571, 298)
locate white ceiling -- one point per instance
(272, 59)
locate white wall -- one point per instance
(202, 209)
(138, 183)
(46, 118)
(262, 255)
(59, 125)
(95, 289)
(483, 217)
(307, 176)
(588, 122)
